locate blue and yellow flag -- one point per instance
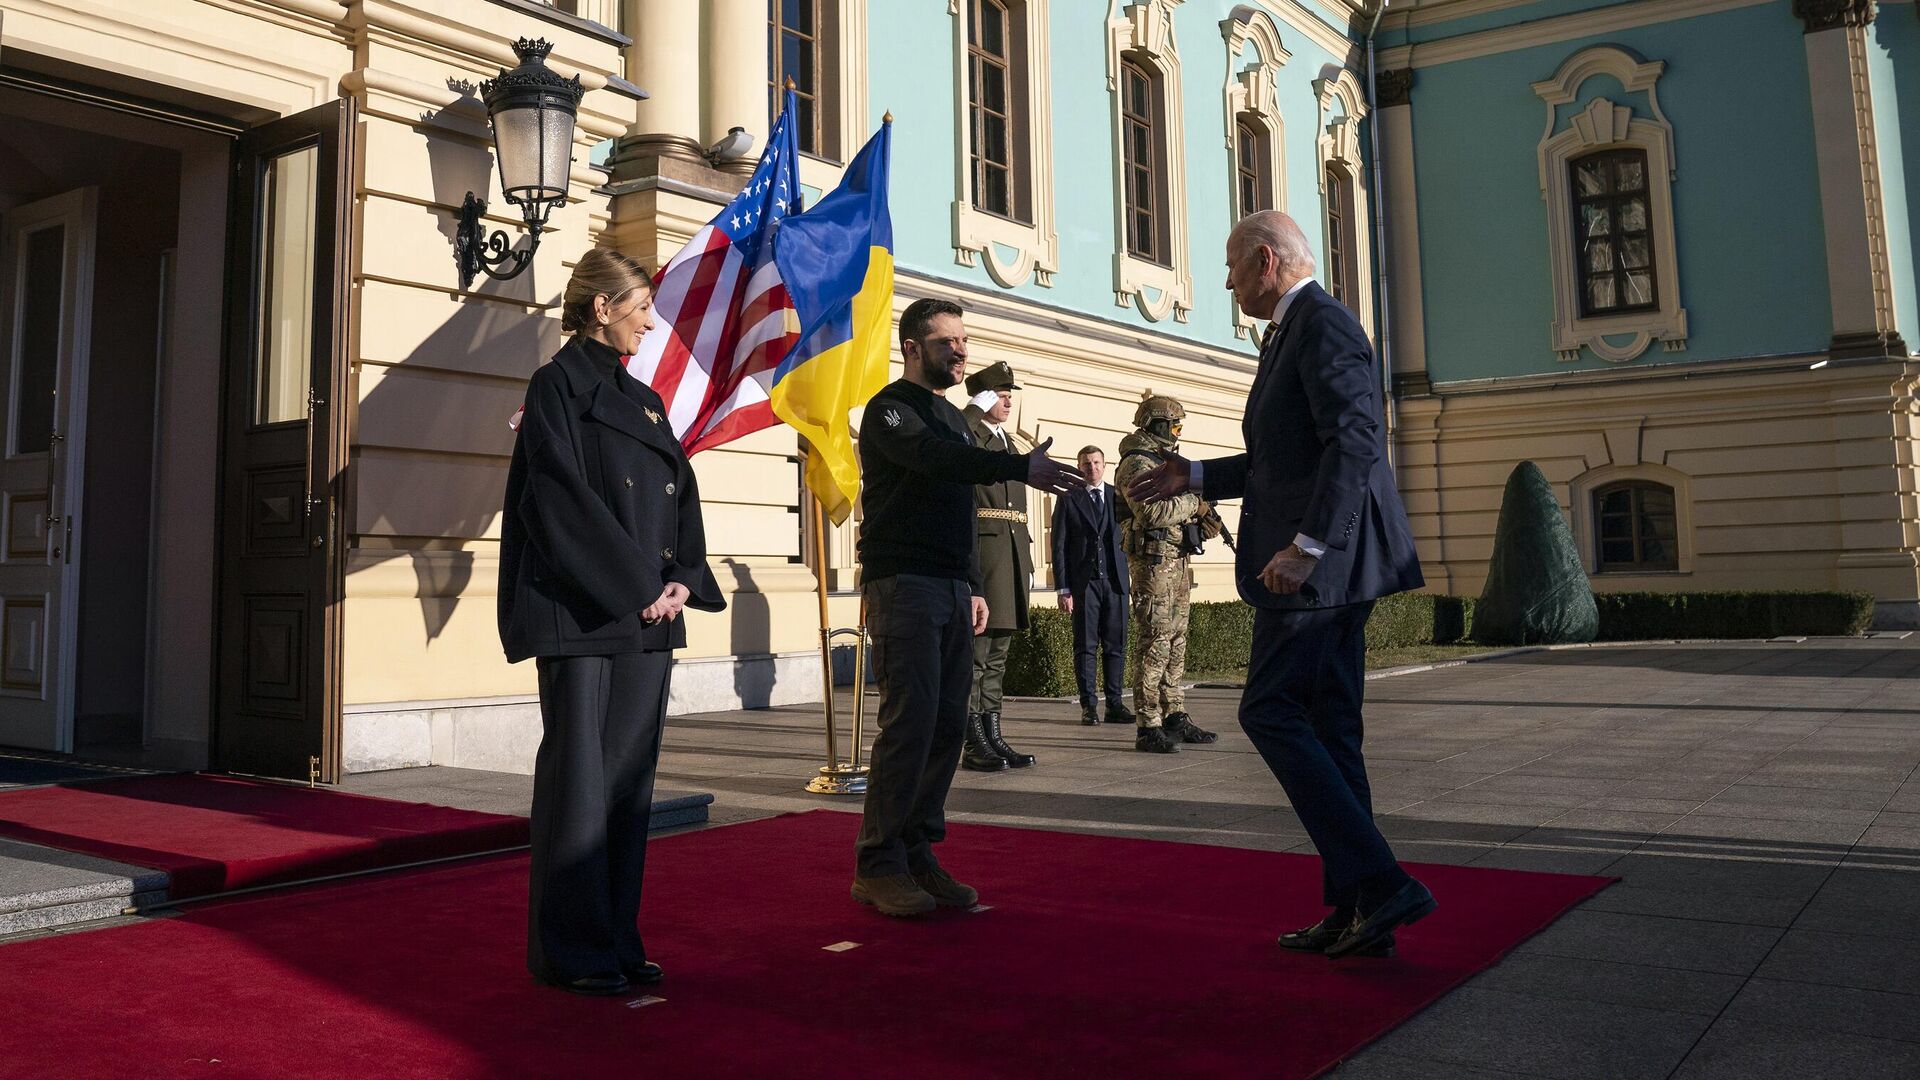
(837, 262)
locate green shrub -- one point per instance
(1220, 633)
(1644, 616)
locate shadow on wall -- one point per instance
(751, 629)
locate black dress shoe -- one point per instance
(643, 974)
(603, 985)
(1089, 715)
(1317, 937)
(1120, 714)
(1408, 906)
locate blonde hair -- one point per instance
(600, 272)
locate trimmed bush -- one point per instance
(1040, 658)
(1537, 591)
(1641, 616)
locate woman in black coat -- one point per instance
(601, 547)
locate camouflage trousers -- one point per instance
(1160, 597)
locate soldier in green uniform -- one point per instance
(1003, 551)
(1159, 538)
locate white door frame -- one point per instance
(77, 210)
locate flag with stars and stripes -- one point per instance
(722, 318)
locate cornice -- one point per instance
(1598, 21)
(1296, 16)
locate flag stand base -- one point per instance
(839, 777)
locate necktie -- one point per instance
(1266, 339)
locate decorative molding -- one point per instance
(1393, 88)
(1603, 124)
(1821, 15)
(1144, 29)
(1252, 91)
(1339, 143)
(978, 235)
(1593, 22)
(1852, 202)
(1338, 41)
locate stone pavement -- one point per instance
(1759, 801)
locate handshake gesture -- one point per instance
(1046, 474)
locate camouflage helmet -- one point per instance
(1157, 407)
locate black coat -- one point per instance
(1316, 463)
(601, 512)
(1084, 546)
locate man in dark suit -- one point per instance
(1090, 570)
(1322, 536)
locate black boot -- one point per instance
(979, 755)
(1153, 740)
(991, 722)
(1181, 726)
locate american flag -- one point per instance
(723, 320)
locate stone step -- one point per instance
(673, 811)
(41, 887)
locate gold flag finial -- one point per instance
(789, 82)
(887, 119)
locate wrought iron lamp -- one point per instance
(532, 110)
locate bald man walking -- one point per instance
(1322, 536)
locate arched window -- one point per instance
(1635, 527)
(1144, 159)
(997, 108)
(1612, 228)
(1340, 269)
(800, 46)
(1252, 171)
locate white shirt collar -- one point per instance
(1286, 301)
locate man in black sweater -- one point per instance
(924, 604)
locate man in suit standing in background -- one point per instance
(1090, 570)
(1322, 536)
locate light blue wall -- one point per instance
(1893, 58)
(910, 51)
(1751, 249)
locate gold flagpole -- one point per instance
(837, 777)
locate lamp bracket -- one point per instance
(475, 250)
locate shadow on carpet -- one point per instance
(1093, 956)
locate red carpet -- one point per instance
(1098, 958)
(214, 833)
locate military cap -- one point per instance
(997, 376)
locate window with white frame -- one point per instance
(1152, 267)
(1344, 242)
(1256, 133)
(1606, 173)
(1003, 183)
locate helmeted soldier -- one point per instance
(1003, 551)
(1160, 536)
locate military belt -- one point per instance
(987, 513)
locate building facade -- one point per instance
(255, 425)
(1665, 249)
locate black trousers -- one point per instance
(923, 661)
(1301, 708)
(592, 797)
(1100, 635)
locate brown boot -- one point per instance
(893, 894)
(945, 891)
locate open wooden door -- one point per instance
(283, 448)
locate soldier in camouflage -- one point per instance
(1160, 536)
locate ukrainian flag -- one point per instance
(837, 262)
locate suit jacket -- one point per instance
(601, 512)
(1002, 549)
(1316, 463)
(1084, 544)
